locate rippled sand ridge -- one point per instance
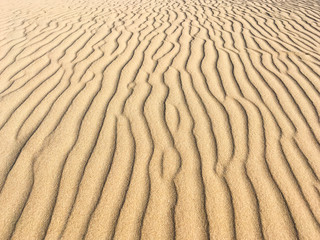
(160, 119)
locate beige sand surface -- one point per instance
(160, 119)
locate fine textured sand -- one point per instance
(160, 119)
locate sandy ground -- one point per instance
(160, 119)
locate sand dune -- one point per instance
(160, 119)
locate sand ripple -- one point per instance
(160, 119)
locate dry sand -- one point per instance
(160, 119)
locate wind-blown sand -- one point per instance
(160, 119)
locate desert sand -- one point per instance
(160, 119)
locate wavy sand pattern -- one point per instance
(160, 119)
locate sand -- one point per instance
(160, 119)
